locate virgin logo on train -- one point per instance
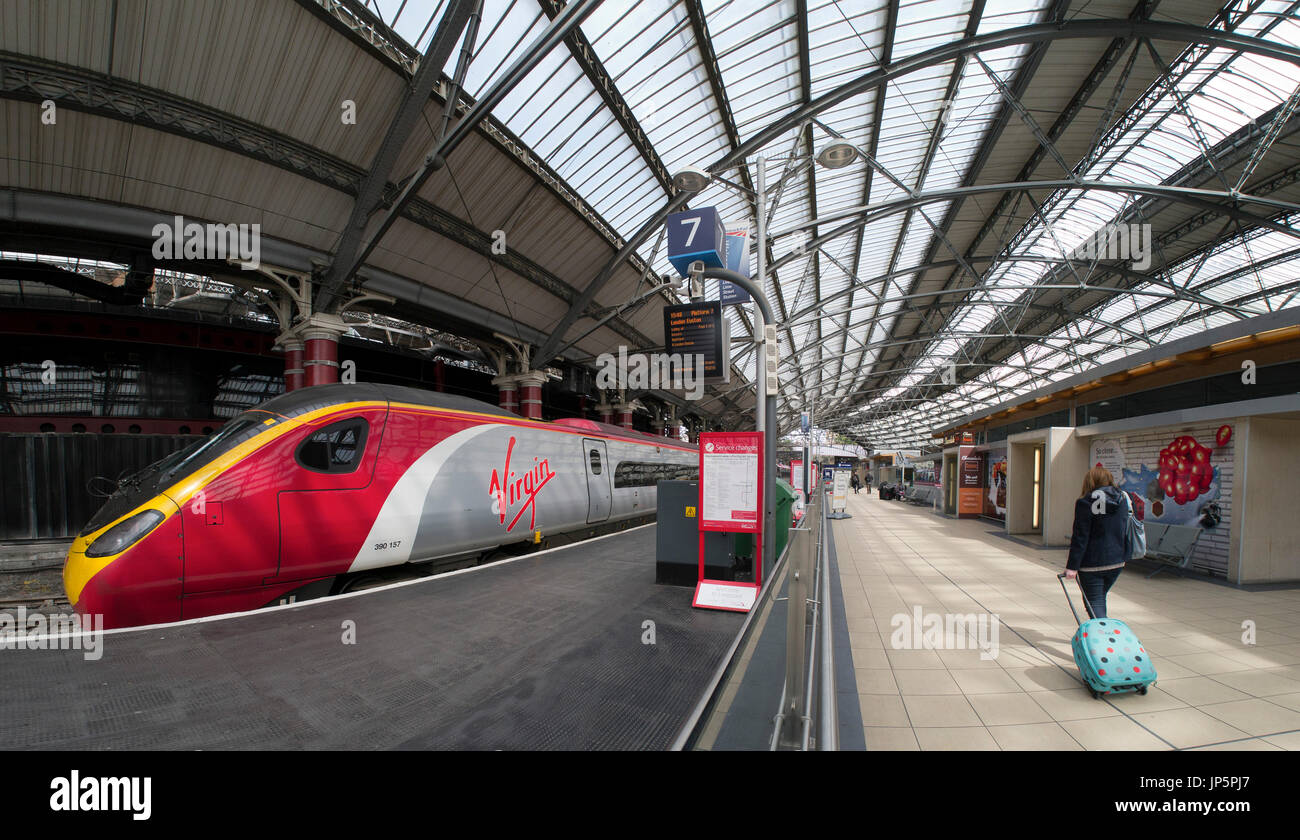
(508, 489)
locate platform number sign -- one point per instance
(696, 235)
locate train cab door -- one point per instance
(328, 512)
(600, 480)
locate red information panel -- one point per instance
(731, 487)
(731, 499)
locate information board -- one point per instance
(731, 500)
(796, 476)
(700, 328)
(840, 490)
(730, 480)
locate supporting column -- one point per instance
(605, 411)
(624, 415)
(320, 335)
(507, 397)
(294, 375)
(530, 389)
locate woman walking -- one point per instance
(1097, 544)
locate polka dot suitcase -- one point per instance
(1110, 657)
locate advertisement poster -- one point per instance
(970, 484)
(729, 481)
(995, 500)
(796, 475)
(1183, 484)
(1109, 454)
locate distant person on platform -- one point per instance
(1097, 544)
(867, 480)
(855, 482)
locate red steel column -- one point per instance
(605, 411)
(320, 333)
(530, 389)
(322, 360)
(294, 374)
(506, 396)
(624, 415)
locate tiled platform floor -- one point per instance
(1214, 691)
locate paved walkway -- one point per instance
(1214, 691)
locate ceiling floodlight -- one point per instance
(691, 179)
(837, 155)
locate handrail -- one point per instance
(688, 730)
(815, 705)
(819, 676)
(828, 730)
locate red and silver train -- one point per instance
(309, 490)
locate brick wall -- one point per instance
(1142, 449)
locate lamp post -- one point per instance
(835, 155)
(765, 409)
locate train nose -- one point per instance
(78, 569)
(129, 573)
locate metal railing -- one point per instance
(808, 697)
(801, 579)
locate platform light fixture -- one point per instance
(837, 155)
(692, 179)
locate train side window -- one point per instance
(336, 448)
(595, 462)
(642, 474)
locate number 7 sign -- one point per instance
(696, 235)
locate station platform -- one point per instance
(1214, 692)
(546, 651)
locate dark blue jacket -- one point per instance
(1098, 538)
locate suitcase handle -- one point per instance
(1068, 600)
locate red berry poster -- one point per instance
(1184, 479)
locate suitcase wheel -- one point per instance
(1142, 690)
(1096, 695)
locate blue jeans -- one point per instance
(1095, 585)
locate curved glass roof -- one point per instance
(871, 319)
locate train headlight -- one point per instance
(124, 534)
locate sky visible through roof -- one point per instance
(839, 305)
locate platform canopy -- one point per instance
(951, 265)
